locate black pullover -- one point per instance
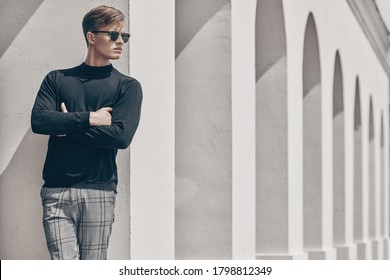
(85, 156)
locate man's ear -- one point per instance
(90, 38)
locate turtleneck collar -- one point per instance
(96, 71)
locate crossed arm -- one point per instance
(100, 117)
(106, 128)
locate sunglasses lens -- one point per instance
(125, 37)
(114, 35)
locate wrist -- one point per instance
(92, 118)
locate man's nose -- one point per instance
(120, 40)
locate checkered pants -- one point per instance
(77, 222)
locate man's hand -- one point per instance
(100, 117)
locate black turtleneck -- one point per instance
(85, 156)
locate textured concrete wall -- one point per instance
(39, 36)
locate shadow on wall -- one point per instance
(13, 16)
(21, 232)
(192, 17)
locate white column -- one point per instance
(295, 130)
(381, 197)
(244, 128)
(357, 173)
(349, 250)
(364, 246)
(152, 176)
(378, 241)
(386, 186)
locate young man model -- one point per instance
(90, 111)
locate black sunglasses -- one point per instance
(114, 35)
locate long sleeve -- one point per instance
(125, 119)
(46, 117)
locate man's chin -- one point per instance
(114, 56)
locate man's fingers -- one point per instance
(63, 108)
(108, 109)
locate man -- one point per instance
(90, 111)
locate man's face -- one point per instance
(104, 46)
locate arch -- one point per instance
(357, 177)
(338, 156)
(271, 129)
(312, 146)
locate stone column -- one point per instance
(152, 62)
(372, 182)
(357, 191)
(344, 185)
(386, 216)
(244, 128)
(387, 189)
(364, 245)
(381, 195)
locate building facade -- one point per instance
(264, 131)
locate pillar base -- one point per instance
(364, 250)
(324, 254)
(386, 248)
(374, 249)
(346, 252)
(296, 256)
(378, 248)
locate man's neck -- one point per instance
(93, 60)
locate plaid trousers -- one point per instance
(77, 222)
